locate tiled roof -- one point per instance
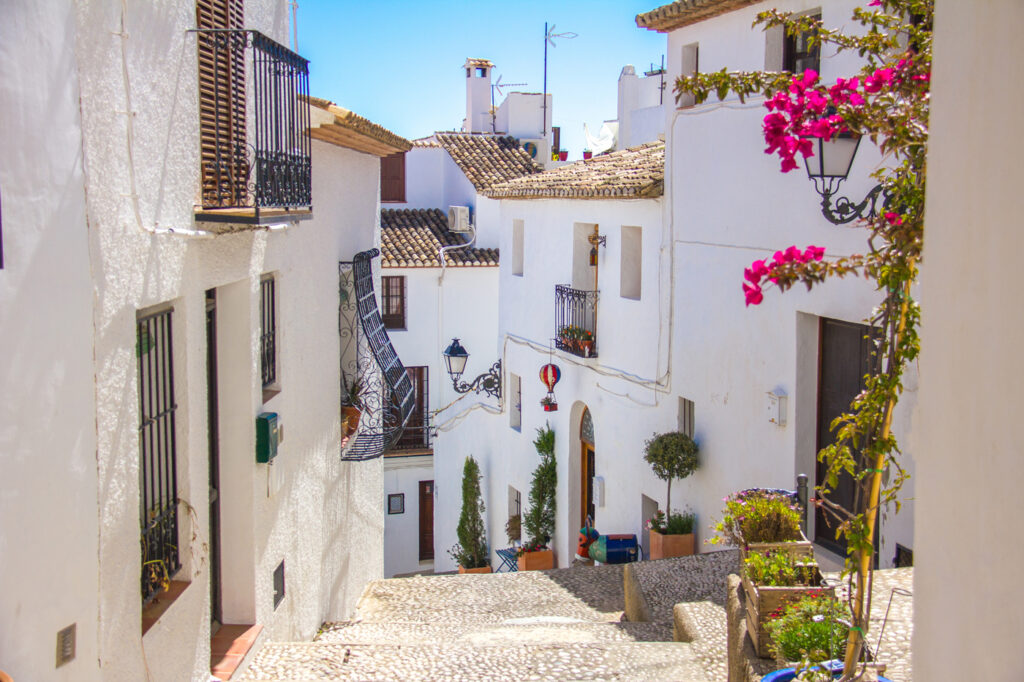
(685, 12)
(636, 173)
(411, 238)
(339, 126)
(425, 142)
(478, 62)
(487, 159)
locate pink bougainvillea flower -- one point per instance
(875, 3)
(759, 268)
(814, 252)
(752, 294)
(751, 276)
(794, 254)
(894, 218)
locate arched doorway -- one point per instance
(587, 450)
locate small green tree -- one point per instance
(539, 520)
(671, 455)
(471, 550)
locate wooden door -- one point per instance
(586, 483)
(426, 520)
(213, 448)
(844, 356)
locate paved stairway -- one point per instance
(552, 625)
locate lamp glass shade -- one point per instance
(455, 357)
(832, 159)
(593, 256)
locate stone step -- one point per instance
(280, 662)
(535, 630)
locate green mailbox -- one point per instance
(266, 437)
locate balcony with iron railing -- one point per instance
(576, 321)
(254, 115)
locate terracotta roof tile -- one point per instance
(685, 12)
(635, 173)
(411, 238)
(487, 159)
(337, 125)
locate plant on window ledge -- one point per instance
(888, 101)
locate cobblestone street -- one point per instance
(563, 624)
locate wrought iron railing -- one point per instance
(270, 166)
(413, 438)
(576, 321)
(387, 396)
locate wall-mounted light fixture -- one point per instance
(595, 241)
(455, 357)
(827, 168)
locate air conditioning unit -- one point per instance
(458, 219)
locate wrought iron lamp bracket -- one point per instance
(489, 382)
(843, 211)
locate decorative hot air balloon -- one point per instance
(550, 374)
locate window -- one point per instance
(797, 53)
(515, 412)
(392, 177)
(481, 72)
(517, 247)
(689, 66)
(396, 503)
(416, 435)
(630, 264)
(685, 417)
(158, 470)
(279, 584)
(392, 294)
(268, 332)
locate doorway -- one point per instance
(844, 357)
(587, 461)
(426, 507)
(213, 449)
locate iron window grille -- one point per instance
(269, 168)
(576, 321)
(797, 53)
(416, 435)
(268, 332)
(158, 476)
(392, 293)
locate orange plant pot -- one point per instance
(352, 415)
(482, 569)
(537, 561)
(668, 546)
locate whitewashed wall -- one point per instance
(970, 466)
(434, 180)
(402, 475)
(729, 205)
(308, 509)
(641, 116)
(522, 115)
(48, 521)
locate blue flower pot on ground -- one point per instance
(788, 674)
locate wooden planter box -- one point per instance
(537, 561)
(667, 546)
(763, 600)
(482, 569)
(796, 548)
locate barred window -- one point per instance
(158, 475)
(392, 293)
(798, 55)
(268, 332)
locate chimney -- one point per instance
(478, 96)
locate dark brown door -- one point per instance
(426, 520)
(844, 356)
(586, 483)
(213, 447)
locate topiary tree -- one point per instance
(471, 550)
(539, 520)
(671, 455)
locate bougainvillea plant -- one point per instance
(887, 103)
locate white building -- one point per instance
(152, 313)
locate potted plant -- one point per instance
(471, 550)
(565, 335)
(563, 154)
(514, 528)
(587, 154)
(586, 341)
(672, 536)
(758, 520)
(548, 403)
(539, 520)
(671, 455)
(351, 403)
(809, 630)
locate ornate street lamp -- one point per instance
(827, 168)
(455, 357)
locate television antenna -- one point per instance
(549, 37)
(498, 85)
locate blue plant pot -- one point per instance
(788, 674)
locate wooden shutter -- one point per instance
(222, 135)
(392, 177)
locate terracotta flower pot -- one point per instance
(587, 155)
(563, 155)
(482, 569)
(352, 414)
(537, 561)
(587, 346)
(550, 407)
(667, 546)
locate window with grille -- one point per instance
(392, 294)
(417, 430)
(158, 476)
(392, 177)
(268, 332)
(798, 55)
(515, 409)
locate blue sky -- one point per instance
(399, 63)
